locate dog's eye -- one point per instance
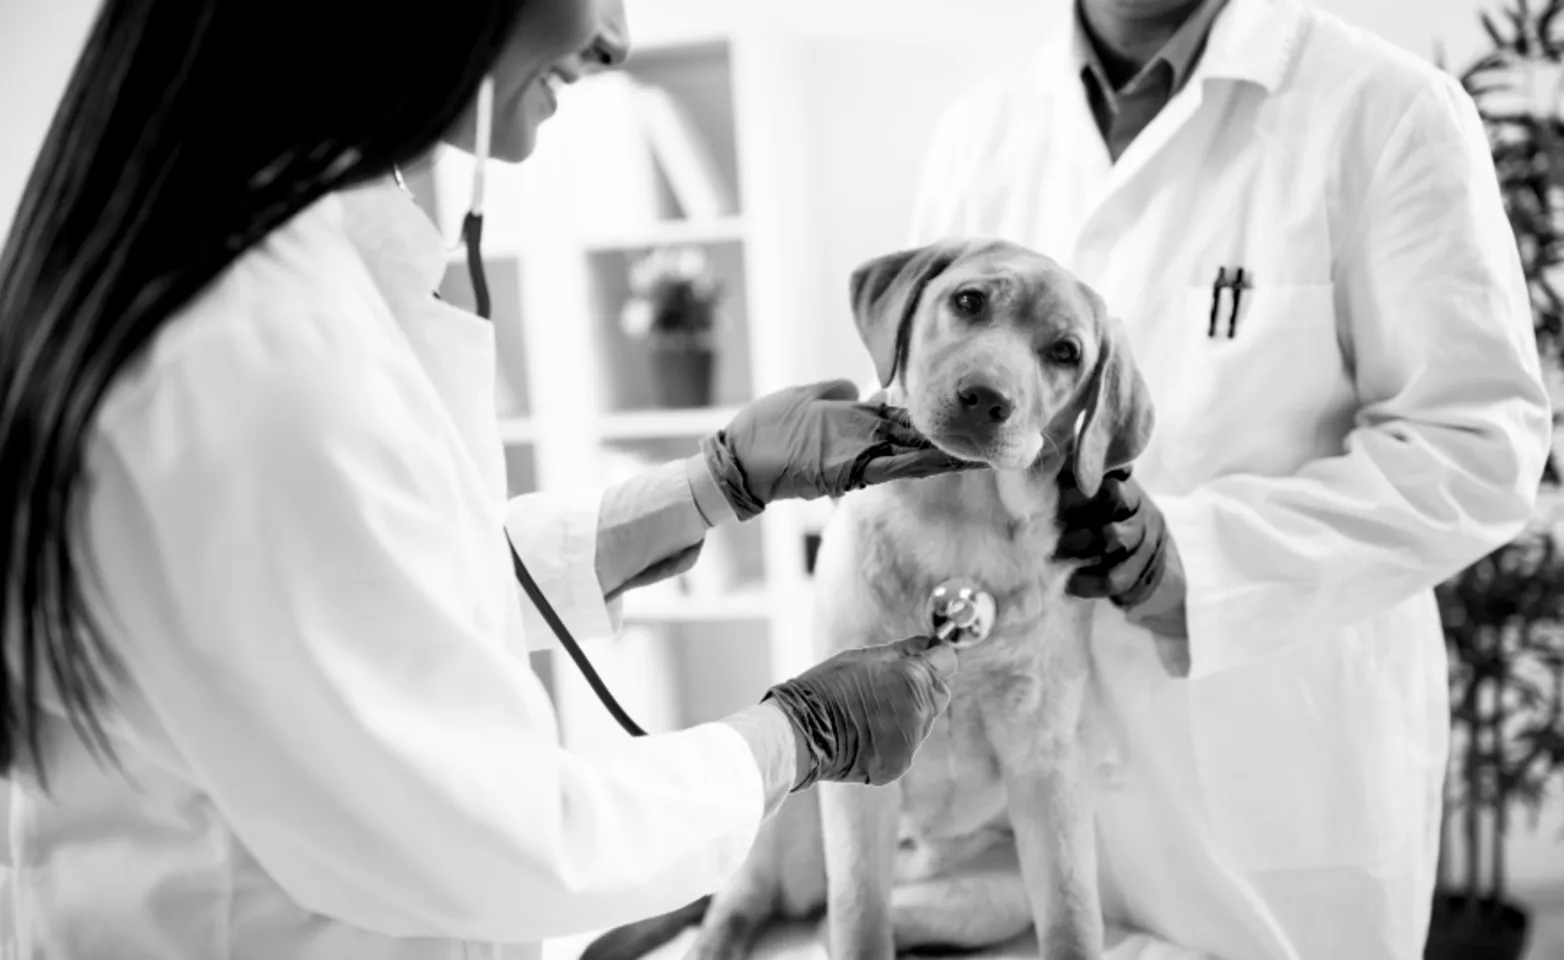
(970, 302)
(1065, 351)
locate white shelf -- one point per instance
(491, 252)
(664, 424)
(517, 430)
(664, 605)
(668, 233)
(665, 233)
(713, 41)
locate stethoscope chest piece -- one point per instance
(961, 613)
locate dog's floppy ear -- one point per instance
(1118, 419)
(885, 294)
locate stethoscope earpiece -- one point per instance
(482, 143)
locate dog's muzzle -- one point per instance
(980, 409)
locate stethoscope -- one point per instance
(472, 238)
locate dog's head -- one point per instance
(1002, 356)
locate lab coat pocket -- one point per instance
(1265, 367)
(1304, 760)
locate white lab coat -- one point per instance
(334, 743)
(1377, 422)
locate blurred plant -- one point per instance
(1504, 625)
(673, 298)
(1504, 616)
(1517, 86)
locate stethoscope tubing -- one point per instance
(472, 238)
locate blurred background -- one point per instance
(681, 242)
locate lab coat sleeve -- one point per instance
(1451, 435)
(641, 531)
(327, 657)
(556, 537)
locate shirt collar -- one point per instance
(1183, 50)
(1175, 60)
(1249, 40)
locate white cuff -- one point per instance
(769, 734)
(556, 538)
(713, 506)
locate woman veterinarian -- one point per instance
(265, 689)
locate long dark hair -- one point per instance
(190, 129)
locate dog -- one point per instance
(1000, 356)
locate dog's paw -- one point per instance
(1066, 942)
(729, 937)
(856, 948)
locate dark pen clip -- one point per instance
(1216, 298)
(1235, 284)
(1238, 292)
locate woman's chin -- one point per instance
(515, 141)
(515, 144)
(511, 153)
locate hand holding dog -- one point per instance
(1122, 540)
(816, 441)
(861, 715)
(1129, 558)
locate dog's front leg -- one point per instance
(859, 825)
(1055, 841)
(1033, 719)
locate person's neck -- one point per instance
(1127, 37)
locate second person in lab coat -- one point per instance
(254, 528)
(1352, 419)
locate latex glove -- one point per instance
(1120, 536)
(816, 441)
(861, 715)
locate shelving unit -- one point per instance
(581, 411)
(821, 164)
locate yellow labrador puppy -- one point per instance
(1000, 356)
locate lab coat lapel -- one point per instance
(405, 254)
(1146, 148)
(1251, 41)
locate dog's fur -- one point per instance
(991, 832)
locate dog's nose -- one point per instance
(983, 404)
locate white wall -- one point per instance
(38, 44)
(39, 40)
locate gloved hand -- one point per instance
(861, 715)
(1119, 534)
(816, 441)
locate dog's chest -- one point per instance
(953, 798)
(954, 791)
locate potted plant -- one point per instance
(673, 308)
(1504, 626)
(1504, 616)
